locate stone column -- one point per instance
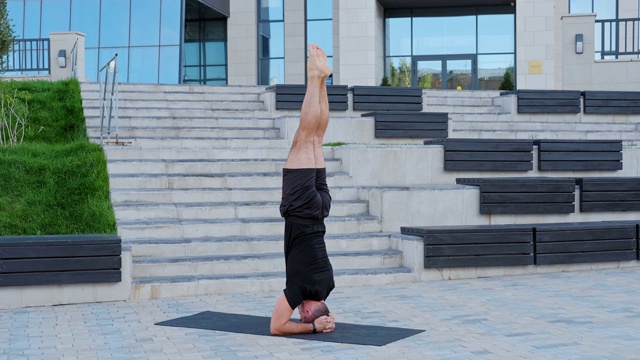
(66, 41)
(535, 43)
(294, 42)
(242, 43)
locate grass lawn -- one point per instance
(56, 181)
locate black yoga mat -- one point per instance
(259, 325)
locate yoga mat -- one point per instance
(259, 325)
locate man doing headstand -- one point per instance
(305, 204)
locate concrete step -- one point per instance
(124, 104)
(177, 88)
(266, 281)
(190, 143)
(186, 97)
(193, 133)
(255, 263)
(225, 210)
(187, 228)
(578, 135)
(186, 122)
(541, 126)
(131, 152)
(204, 166)
(183, 113)
(228, 181)
(251, 245)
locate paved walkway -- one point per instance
(578, 315)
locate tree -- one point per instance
(385, 81)
(507, 81)
(6, 33)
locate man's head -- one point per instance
(310, 310)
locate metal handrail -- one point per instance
(28, 55)
(109, 97)
(74, 60)
(623, 37)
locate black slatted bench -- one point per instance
(611, 102)
(487, 154)
(410, 124)
(609, 194)
(290, 96)
(59, 259)
(566, 243)
(579, 154)
(524, 195)
(548, 101)
(386, 98)
(475, 246)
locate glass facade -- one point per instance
(457, 48)
(319, 16)
(147, 35)
(270, 42)
(205, 46)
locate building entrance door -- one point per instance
(445, 72)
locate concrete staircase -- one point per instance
(196, 192)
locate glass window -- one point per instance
(191, 53)
(319, 9)
(317, 34)
(271, 39)
(216, 72)
(143, 65)
(495, 33)
(91, 64)
(170, 22)
(169, 64)
(114, 23)
(192, 74)
(215, 53)
(491, 69)
(32, 19)
(271, 10)
(398, 71)
(214, 30)
(57, 16)
(398, 36)
(123, 61)
(85, 18)
(271, 71)
(605, 9)
(580, 6)
(15, 8)
(444, 35)
(145, 22)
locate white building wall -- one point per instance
(242, 43)
(294, 42)
(358, 57)
(535, 44)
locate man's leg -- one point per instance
(314, 115)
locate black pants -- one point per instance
(305, 195)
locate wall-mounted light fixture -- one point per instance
(579, 44)
(62, 58)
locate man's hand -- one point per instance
(325, 323)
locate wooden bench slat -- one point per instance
(581, 156)
(611, 95)
(378, 106)
(527, 208)
(484, 249)
(622, 185)
(608, 196)
(413, 117)
(572, 165)
(61, 278)
(627, 110)
(549, 102)
(300, 98)
(388, 99)
(585, 246)
(55, 240)
(488, 156)
(588, 257)
(584, 145)
(293, 89)
(609, 206)
(410, 134)
(614, 103)
(568, 234)
(60, 264)
(514, 198)
(548, 94)
(22, 252)
(386, 91)
(478, 261)
(392, 125)
(451, 230)
(549, 109)
(488, 237)
(488, 146)
(488, 166)
(505, 187)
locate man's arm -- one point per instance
(281, 323)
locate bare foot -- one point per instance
(317, 65)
